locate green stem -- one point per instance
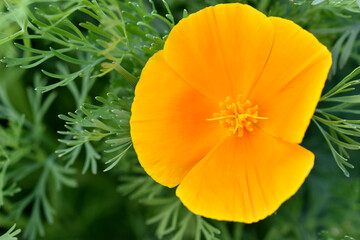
(263, 5)
(128, 76)
(238, 230)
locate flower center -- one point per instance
(237, 115)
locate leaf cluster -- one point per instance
(343, 133)
(108, 123)
(116, 34)
(171, 218)
(25, 153)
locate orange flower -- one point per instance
(221, 109)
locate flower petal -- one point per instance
(221, 50)
(168, 123)
(291, 83)
(245, 179)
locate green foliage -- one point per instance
(170, 216)
(90, 55)
(26, 150)
(118, 33)
(341, 131)
(348, 5)
(342, 50)
(108, 123)
(10, 234)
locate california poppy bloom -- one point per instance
(220, 111)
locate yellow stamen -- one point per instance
(237, 115)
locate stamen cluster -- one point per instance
(237, 115)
